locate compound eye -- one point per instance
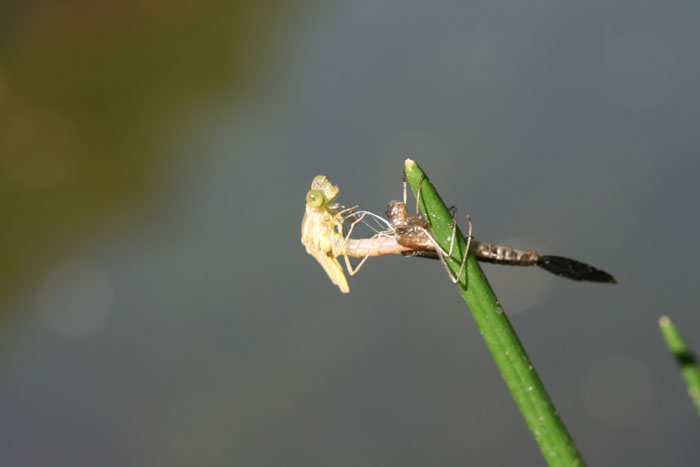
(315, 198)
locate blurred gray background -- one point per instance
(159, 310)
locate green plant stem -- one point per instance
(528, 391)
(684, 357)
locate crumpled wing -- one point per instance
(333, 269)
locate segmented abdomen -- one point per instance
(498, 254)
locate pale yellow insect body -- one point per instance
(322, 229)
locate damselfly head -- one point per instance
(322, 192)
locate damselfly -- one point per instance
(323, 237)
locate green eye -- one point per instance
(315, 198)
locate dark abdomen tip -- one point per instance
(572, 269)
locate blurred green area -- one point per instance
(90, 97)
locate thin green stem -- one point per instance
(526, 387)
(684, 357)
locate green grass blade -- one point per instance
(528, 391)
(684, 357)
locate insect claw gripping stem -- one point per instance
(414, 232)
